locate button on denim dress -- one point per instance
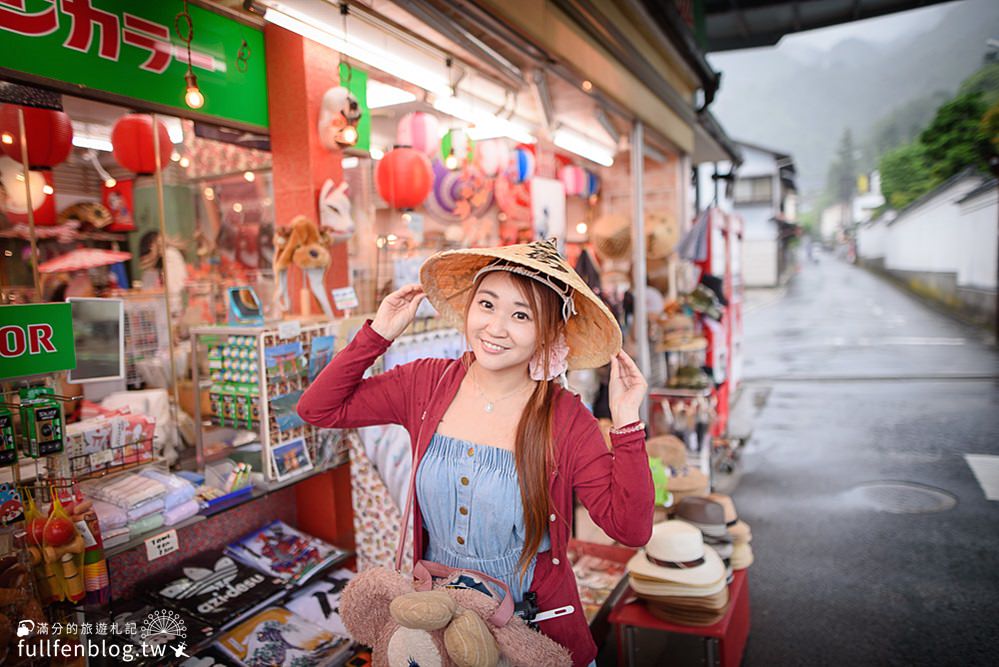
(470, 502)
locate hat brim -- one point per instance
(593, 334)
(648, 586)
(706, 574)
(742, 556)
(693, 480)
(695, 344)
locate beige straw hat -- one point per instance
(611, 236)
(591, 331)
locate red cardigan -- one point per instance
(615, 486)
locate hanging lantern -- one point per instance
(592, 184)
(42, 193)
(456, 148)
(132, 141)
(492, 156)
(420, 131)
(403, 177)
(573, 178)
(49, 134)
(521, 165)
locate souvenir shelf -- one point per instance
(254, 378)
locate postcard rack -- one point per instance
(252, 378)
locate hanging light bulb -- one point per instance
(185, 162)
(581, 228)
(7, 138)
(47, 189)
(451, 161)
(249, 176)
(110, 183)
(194, 98)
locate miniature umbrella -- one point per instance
(82, 259)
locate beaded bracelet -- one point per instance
(634, 427)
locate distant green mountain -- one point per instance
(799, 99)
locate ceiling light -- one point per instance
(383, 95)
(237, 207)
(175, 156)
(484, 124)
(581, 228)
(209, 194)
(185, 162)
(366, 43)
(451, 161)
(249, 176)
(350, 162)
(584, 147)
(7, 138)
(47, 189)
(376, 154)
(587, 86)
(110, 183)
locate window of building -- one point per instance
(755, 190)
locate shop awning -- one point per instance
(82, 259)
(726, 25)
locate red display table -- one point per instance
(723, 642)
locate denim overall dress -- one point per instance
(470, 502)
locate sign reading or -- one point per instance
(36, 338)
(131, 48)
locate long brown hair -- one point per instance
(534, 448)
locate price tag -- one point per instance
(101, 458)
(289, 329)
(345, 298)
(161, 545)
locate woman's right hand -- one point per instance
(397, 310)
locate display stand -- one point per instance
(257, 412)
(724, 642)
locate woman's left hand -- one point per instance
(626, 390)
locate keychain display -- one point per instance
(41, 422)
(8, 444)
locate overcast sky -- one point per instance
(881, 29)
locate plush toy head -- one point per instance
(301, 244)
(338, 110)
(442, 627)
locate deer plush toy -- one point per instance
(303, 244)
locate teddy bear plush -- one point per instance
(450, 625)
(303, 244)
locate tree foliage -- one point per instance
(843, 170)
(905, 175)
(954, 139)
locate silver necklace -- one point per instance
(491, 403)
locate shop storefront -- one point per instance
(223, 196)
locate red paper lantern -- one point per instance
(132, 139)
(404, 177)
(49, 134)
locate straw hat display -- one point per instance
(680, 579)
(738, 530)
(611, 236)
(684, 480)
(679, 335)
(709, 517)
(592, 332)
(661, 236)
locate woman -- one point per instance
(500, 446)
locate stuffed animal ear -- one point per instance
(364, 604)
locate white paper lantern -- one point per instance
(13, 183)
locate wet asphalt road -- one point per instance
(858, 383)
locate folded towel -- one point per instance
(178, 491)
(146, 524)
(181, 512)
(146, 508)
(116, 536)
(110, 516)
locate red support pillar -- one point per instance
(299, 71)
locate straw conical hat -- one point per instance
(592, 333)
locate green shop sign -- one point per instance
(130, 48)
(36, 338)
